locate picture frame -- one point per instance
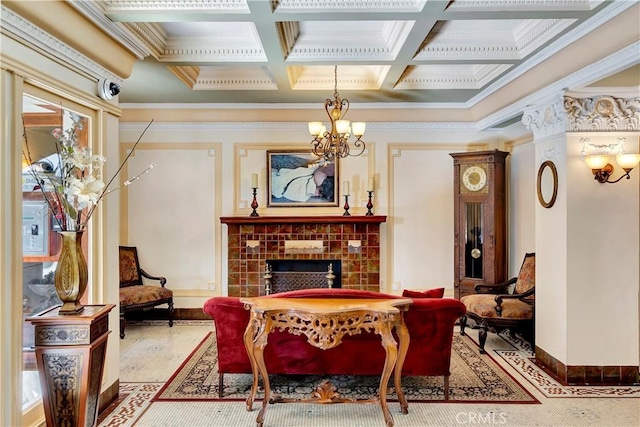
(301, 179)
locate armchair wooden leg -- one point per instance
(123, 323)
(171, 314)
(463, 324)
(446, 387)
(220, 385)
(482, 337)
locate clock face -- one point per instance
(474, 178)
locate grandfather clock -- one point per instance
(480, 245)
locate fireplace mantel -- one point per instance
(329, 219)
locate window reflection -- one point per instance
(40, 241)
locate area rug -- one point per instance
(475, 378)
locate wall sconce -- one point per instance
(597, 159)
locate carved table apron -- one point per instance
(325, 321)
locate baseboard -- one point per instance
(108, 396)
(586, 375)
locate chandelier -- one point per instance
(335, 143)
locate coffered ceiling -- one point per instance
(284, 51)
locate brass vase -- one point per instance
(71, 275)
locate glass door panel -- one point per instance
(40, 241)
(473, 243)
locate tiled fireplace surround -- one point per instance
(246, 266)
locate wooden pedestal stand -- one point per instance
(70, 351)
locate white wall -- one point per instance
(521, 195)
(603, 260)
(413, 176)
(551, 255)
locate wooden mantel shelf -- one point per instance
(329, 219)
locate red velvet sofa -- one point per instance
(430, 322)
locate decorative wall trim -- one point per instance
(602, 114)
(132, 126)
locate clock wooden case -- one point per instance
(480, 231)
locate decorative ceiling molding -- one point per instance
(288, 33)
(224, 78)
(602, 114)
(218, 6)
(151, 35)
(348, 5)
(508, 40)
(16, 27)
(366, 77)
(371, 40)
(462, 76)
(95, 12)
(521, 5)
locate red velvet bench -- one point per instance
(430, 322)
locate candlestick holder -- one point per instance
(254, 204)
(346, 206)
(369, 204)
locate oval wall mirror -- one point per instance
(547, 184)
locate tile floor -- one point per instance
(152, 352)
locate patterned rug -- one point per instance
(475, 378)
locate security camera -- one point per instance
(108, 89)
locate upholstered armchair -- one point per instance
(496, 307)
(134, 294)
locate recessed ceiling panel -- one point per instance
(355, 40)
(211, 41)
(364, 77)
(225, 78)
(460, 76)
(507, 39)
(521, 5)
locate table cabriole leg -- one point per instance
(249, 338)
(258, 353)
(391, 350)
(403, 347)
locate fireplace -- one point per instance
(294, 274)
(254, 242)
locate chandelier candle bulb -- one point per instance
(345, 188)
(358, 128)
(371, 181)
(254, 180)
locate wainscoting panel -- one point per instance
(171, 215)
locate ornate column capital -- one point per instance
(546, 119)
(602, 113)
(597, 113)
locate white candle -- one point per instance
(254, 180)
(345, 188)
(372, 184)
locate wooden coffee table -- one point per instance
(325, 321)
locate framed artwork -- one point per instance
(298, 178)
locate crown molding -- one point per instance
(16, 27)
(95, 12)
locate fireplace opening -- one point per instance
(292, 274)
